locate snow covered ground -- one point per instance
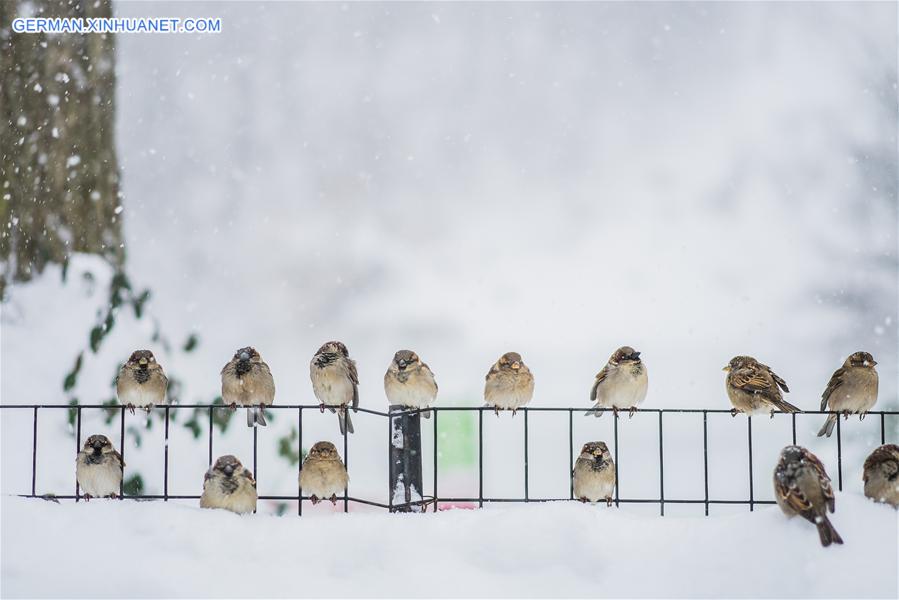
(113, 549)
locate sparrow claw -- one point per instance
(496, 410)
(321, 407)
(608, 501)
(334, 499)
(861, 416)
(845, 415)
(130, 408)
(87, 497)
(233, 406)
(630, 414)
(315, 499)
(733, 412)
(615, 411)
(582, 500)
(113, 495)
(771, 415)
(514, 412)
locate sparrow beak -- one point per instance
(870, 363)
(726, 369)
(98, 445)
(635, 356)
(402, 364)
(244, 356)
(516, 365)
(229, 470)
(142, 362)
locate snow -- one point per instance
(113, 548)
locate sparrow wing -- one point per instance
(836, 380)
(777, 378)
(354, 377)
(791, 495)
(751, 379)
(430, 373)
(119, 458)
(249, 475)
(600, 377)
(823, 479)
(492, 372)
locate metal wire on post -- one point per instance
(839, 457)
(211, 408)
(34, 452)
(434, 414)
(77, 449)
(749, 430)
(165, 481)
(661, 469)
(705, 458)
(617, 468)
(480, 458)
(255, 448)
(122, 452)
(525, 453)
(300, 460)
(793, 418)
(571, 454)
(346, 463)
(883, 431)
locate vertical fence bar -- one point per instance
(661, 468)
(165, 469)
(480, 458)
(122, 452)
(793, 417)
(77, 449)
(883, 431)
(346, 463)
(839, 457)
(34, 452)
(571, 454)
(389, 461)
(300, 463)
(434, 414)
(705, 457)
(526, 499)
(255, 444)
(617, 468)
(749, 433)
(210, 437)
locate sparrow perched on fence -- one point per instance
(229, 485)
(852, 389)
(323, 474)
(802, 487)
(410, 382)
(622, 383)
(881, 475)
(594, 474)
(335, 382)
(99, 468)
(141, 382)
(510, 384)
(247, 380)
(754, 388)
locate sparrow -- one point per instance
(852, 389)
(802, 487)
(510, 384)
(141, 382)
(410, 382)
(594, 474)
(323, 474)
(99, 468)
(247, 380)
(335, 382)
(227, 484)
(622, 383)
(881, 475)
(755, 388)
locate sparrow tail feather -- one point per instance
(345, 422)
(827, 533)
(829, 424)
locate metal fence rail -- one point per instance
(434, 500)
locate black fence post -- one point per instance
(405, 459)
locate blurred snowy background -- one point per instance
(695, 180)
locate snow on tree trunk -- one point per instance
(59, 180)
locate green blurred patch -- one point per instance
(457, 443)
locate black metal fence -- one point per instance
(401, 417)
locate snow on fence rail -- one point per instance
(407, 422)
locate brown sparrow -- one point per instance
(247, 380)
(323, 474)
(510, 384)
(852, 389)
(882, 475)
(802, 487)
(229, 485)
(755, 388)
(99, 468)
(410, 382)
(335, 382)
(141, 382)
(622, 383)
(594, 474)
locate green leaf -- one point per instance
(194, 426)
(191, 343)
(139, 302)
(73, 412)
(72, 376)
(134, 485)
(96, 337)
(286, 447)
(135, 433)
